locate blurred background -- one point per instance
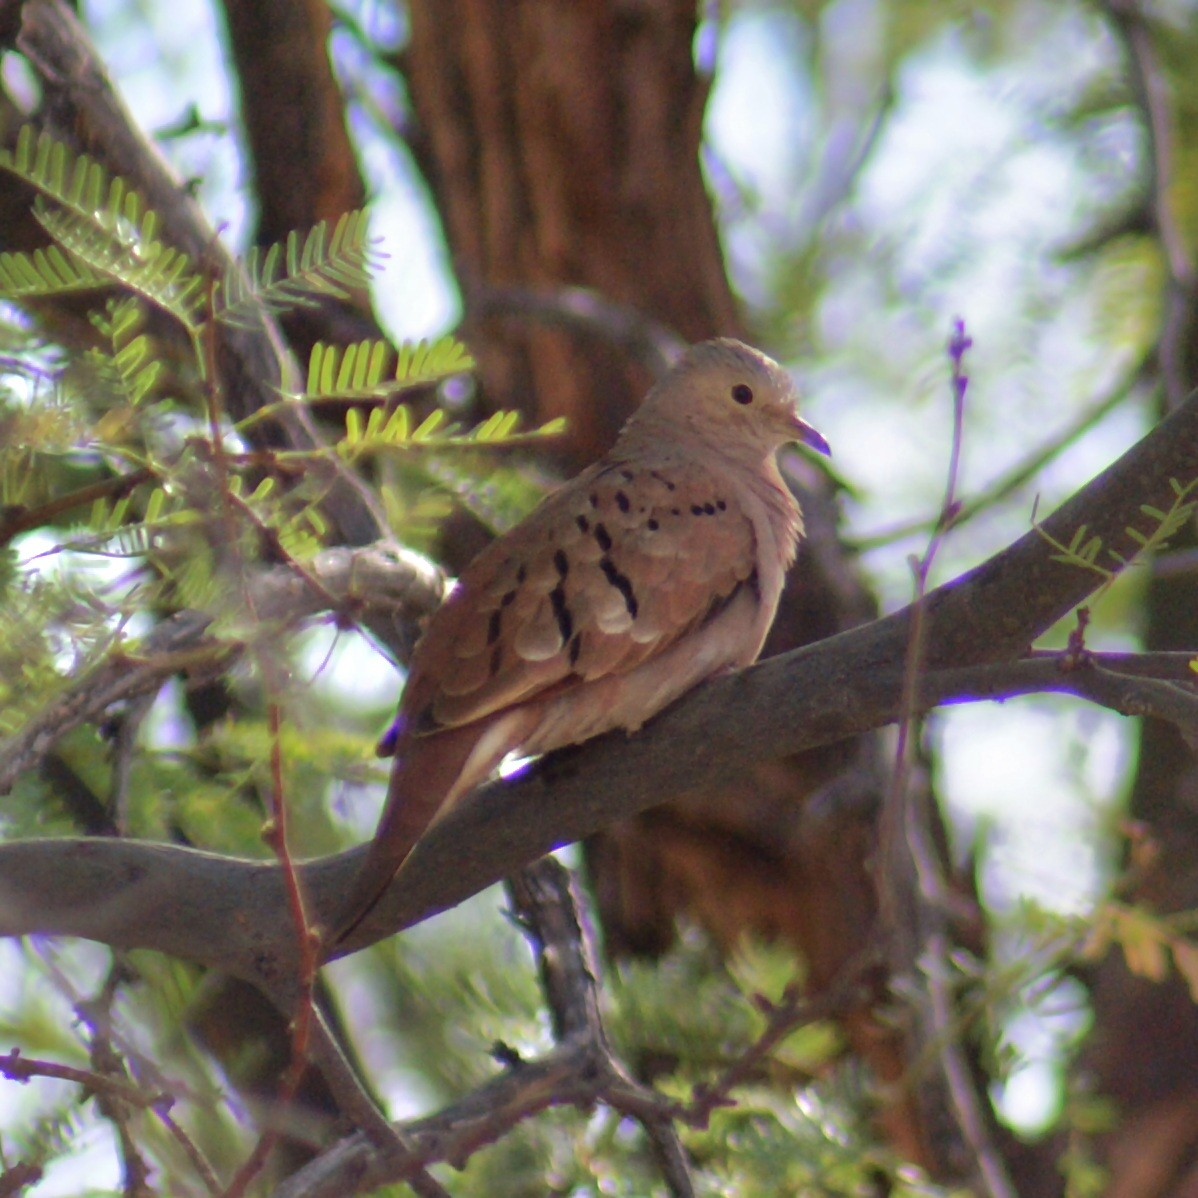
(837, 182)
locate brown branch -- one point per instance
(20, 1068)
(231, 914)
(388, 588)
(81, 106)
(96, 1013)
(17, 520)
(548, 904)
(581, 1071)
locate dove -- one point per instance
(655, 569)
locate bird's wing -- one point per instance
(609, 571)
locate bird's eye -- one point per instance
(742, 393)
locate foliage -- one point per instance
(131, 488)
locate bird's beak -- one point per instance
(804, 433)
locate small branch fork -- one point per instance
(387, 588)
(581, 1070)
(119, 1096)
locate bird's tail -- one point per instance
(431, 773)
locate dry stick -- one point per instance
(19, 1068)
(905, 825)
(158, 1091)
(16, 521)
(97, 1015)
(549, 906)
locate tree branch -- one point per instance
(229, 913)
(387, 587)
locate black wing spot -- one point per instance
(696, 509)
(496, 658)
(622, 501)
(622, 583)
(522, 574)
(661, 478)
(627, 475)
(493, 627)
(653, 526)
(584, 525)
(561, 613)
(721, 505)
(709, 508)
(575, 649)
(603, 537)
(509, 598)
(561, 562)
(594, 500)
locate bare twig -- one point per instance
(388, 588)
(1022, 471)
(106, 1061)
(275, 835)
(915, 901)
(903, 821)
(19, 1068)
(549, 906)
(18, 520)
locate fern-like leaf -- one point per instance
(104, 223)
(295, 273)
(132, 369)
(47, 271)
(360, 372)
(436, 432)
(153, 270)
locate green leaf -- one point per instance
(48, 271)
(300, 271)
(103, 224)
(360, 371)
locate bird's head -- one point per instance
(727, 393)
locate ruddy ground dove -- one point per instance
(656, 568)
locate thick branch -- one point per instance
(229, 913)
